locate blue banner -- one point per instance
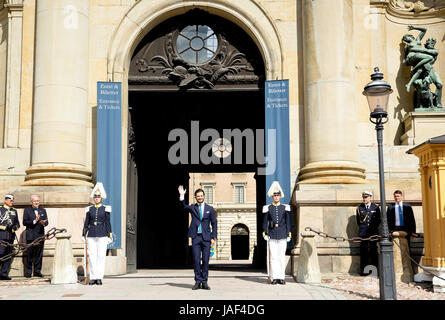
(109, 148)
(278, 144)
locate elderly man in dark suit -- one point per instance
(203, 216)
(35, 220)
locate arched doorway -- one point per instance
(191, 73)
(239, 242)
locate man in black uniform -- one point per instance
(9, 223)
(368, 221)
(35, 219)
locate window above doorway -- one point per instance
(197, 44)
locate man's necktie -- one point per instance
(200, 217)
(401, 215)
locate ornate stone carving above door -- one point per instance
(196, 51)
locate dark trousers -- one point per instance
(368, 254)
(4, 271)
(34, 254)
(201, 256)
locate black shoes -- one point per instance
(38, 274)
(92, 282)
(280, 281)
(98, 282)
(3, 277)
(205, 286)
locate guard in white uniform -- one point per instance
(97, 229)
(277, 230)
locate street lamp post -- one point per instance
(377, 92)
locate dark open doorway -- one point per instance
(166, 93)
(239, 242)
(161, 223)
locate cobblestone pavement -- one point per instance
(367, 288)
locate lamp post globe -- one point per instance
(377, 93)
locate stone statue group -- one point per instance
(421, 59)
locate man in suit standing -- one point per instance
(9, 223)
(401, 216)
(35, 220)
(203, 216)
(368, 221)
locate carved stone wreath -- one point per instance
(416, 7)
(186, 75)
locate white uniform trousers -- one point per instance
(97, 251)
(277, 258)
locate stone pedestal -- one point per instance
(402, 264)
(115, 265)
(422, 125)
(64, 271)
(308, 269)
(432, 275)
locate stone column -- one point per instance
(12, 113)
(331, 150)
(60, 94)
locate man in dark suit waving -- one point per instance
(35, 219)
(203, 216)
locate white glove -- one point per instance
(182, 192)
(110, 239)
(266, 237)
(83, 239)
(288, 239)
